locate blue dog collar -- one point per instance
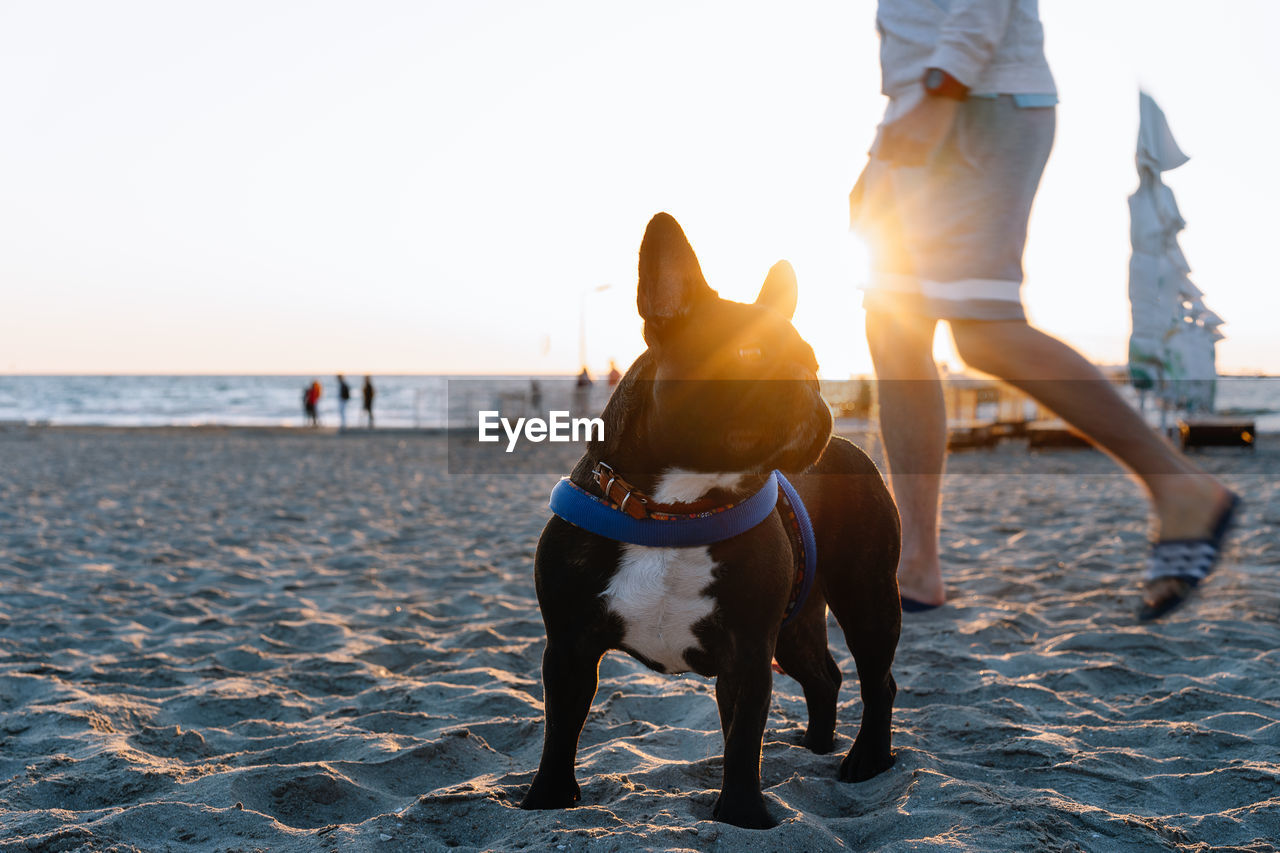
(582, 509)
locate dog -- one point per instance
(725, 394)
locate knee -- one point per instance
(878, 336)
(894, 338)
(985, 345)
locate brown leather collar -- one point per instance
(636, 503)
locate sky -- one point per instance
(453, 187)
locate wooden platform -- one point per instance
(964, 435)
(1217, 431)
(1010, 429)
(1054, 433)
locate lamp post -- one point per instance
(582, 321)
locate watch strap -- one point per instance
(938, 82)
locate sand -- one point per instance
(249, 640)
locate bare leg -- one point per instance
(1186, 500)
(913, 423)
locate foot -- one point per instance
(1187, 506)
(910, 605)
(1199, 511)
(920, 581)
(865, 760)
(1162, 595)
(819, 743)
(746, 811)
(545, 794)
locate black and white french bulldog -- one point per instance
(725, 393)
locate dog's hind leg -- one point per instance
(871, 752)
(803, 654)
(858, 571)
(569, 676)
(872, 635)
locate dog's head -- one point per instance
(729, 386)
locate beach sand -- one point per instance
(252, 640)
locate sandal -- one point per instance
(1187, 560)
(911, 605)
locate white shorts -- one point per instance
(947, 237)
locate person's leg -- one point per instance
(1187, 501)
(913, 425)
(947, 242)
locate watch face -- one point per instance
(933, 80)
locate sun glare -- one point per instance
(830, 315)
(857, 256)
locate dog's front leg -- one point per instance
(743, 691)
(570, 672)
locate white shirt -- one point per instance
(991, 46)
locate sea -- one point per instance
(401, 401)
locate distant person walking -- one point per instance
(945, 202)
(311, 402)
(582, 393)
(367, 392)
(344, 397)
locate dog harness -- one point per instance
(627, 515)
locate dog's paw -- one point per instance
(746, 812)
(818, 743)
(549, 795)
(865, 761)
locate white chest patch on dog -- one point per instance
(658, 594)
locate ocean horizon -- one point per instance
(403, 401)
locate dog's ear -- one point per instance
(778, 292)
(671, 280)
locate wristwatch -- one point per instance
(940, 83)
